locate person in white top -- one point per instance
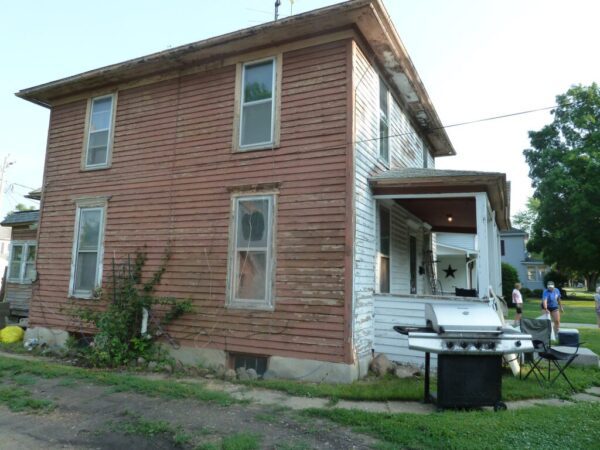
(517, 299)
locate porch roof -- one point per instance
(418, 181)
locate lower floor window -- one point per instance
(251, 259)
(86, 271)
(21, 267)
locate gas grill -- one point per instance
(470, 340)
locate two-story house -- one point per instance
(290, 167)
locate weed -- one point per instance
(66, 382)
(23, 379)
(135, 424)
(120, 382)
(20, 400)
(120, 339)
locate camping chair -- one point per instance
(540, 331)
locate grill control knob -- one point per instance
(517, 343)
(464, 345)
(491, 345)
(450, 345)
(478, 345)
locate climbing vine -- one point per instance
(134, 318)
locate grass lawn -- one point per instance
(15, 368)
(541, 427)
(576, 311)
(392, 388)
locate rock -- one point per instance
(402, 371)
(270, 375)
(201, 371)
(380, 365)
(210, 376)
(242, 374)
(229, 375)
(152, 365)
(141, 361)
(220, 371)
(52, 337)
(252, 375)
(167, 368)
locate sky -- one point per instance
(477, 59)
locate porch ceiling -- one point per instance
(417, 181)
(435, 212)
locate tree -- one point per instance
(564, 165)
(525, 219)
(510, 276)
(21, 207)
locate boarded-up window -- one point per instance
(87, 262)
(21, 266)
(99, 132)
(251, 262)
(258, 104)
(384, 112)
(384, 250)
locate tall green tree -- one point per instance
(564, 164)
(526, 218)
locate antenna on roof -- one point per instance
(277, 5)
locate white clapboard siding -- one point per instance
(408, 149)
(403, 310)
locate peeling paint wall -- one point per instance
(407, 149)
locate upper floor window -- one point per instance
(21, 266)
(99, 132)
(257, 104)
(502, 248)
(86, 266)
(384, 121)
(251, 261)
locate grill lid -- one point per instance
(463, 318)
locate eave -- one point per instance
(367, 17)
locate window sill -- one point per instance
(92, 169)
(261, 147)
(8, 280)
(250, 306)
(82, 297)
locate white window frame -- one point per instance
(259, 304)
(21, 276)
(275, 105)
(380, 138)
(94, 203)
(111, 127)
(381, 206)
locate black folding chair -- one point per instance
(540, 330)
(554, 358)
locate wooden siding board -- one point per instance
(172, 165)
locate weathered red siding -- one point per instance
(172, 168)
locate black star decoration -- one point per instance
(450, 271)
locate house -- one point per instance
(289, 166)
(4, 249)
(514, 252)
(21, 273)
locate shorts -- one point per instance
(553, 309)
(519, 309)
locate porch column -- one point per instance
(483, 236)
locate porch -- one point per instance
(437, 241)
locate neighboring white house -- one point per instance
(514, 252)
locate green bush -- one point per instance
(526, 292)
(509, 278)
(119, 339)
(537, 293)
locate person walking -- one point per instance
(597, 298)
(551, 304)
(517, 299)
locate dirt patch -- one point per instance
(92, 416)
